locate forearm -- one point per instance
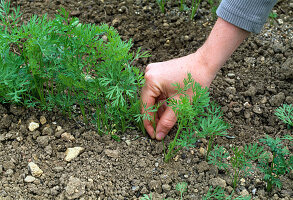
(223, 40)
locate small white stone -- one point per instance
(202, 151)
(253, 191)
(128, 142)
(231, 75)
(33, 126)
(43, 120)
(242, 181)
(67, 136)
(59, 128)
(34, 169)
(112, 153)
(72, 153)
(244, 193)
(29, 179)
(280, 21)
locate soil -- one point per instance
(252, 84)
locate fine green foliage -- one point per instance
(181, 187)
(272, 16)
(285, 113)
(240, 160)
(214, 6)
(212, 126)
(162, 4)
(280, 164)
(219, 194)
(196, 117)
(63, 63)
(194, 8)
(182, 5)
(146, 197)
(189, 115)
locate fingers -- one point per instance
(148, 100)
(149, 94)
(166, 122)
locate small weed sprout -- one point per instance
(214, 6)
(219, 194)
(182, 5)
(162, 4)
(285, 113)
(181, 187)
(240, 162)
(194, 8)
(212, 126)
(273, 16)
(146, 197)
(280, 164)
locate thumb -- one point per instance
(166, 122)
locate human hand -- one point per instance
(158, 87)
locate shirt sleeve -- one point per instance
(249, 15)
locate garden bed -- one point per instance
(256, 80)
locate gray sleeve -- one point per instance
(249, 15)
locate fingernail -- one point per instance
(160, 136)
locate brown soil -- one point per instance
(253, 83)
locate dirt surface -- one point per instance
(257, 79)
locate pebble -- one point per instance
(242, 181)
(247, 105)
(29, 179)
(67, 137)
(105, 38)
(116, 22)
(112, 153)
(256, 109)
(59, 128)
(289, 100)
(58, 169)
(128, 142)
(155, 185)
(202, 151)
(202, 167)
(166, 25)
(253, 191)
(277, 99)
(231, 75)
(33, 126)
(166, 187)
(8, 165)
(244, 193)
(280, 21)
(135, 188)
(48, 149)
(230, 90)
(218, 182)
(43, 141)
(43, 120)
(9, 172)
(250, 92)
(47, 131)
(75, 188)
(34, 169)
(72, 153)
